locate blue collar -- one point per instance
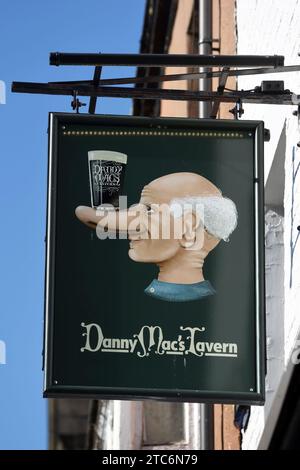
(179, 292)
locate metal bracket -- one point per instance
(238, 110)
(150, 93)
(184, 76)
(221, 88)
(267, 135)
(209, 41)
(97, 87)
(76, 104)
(96, 80)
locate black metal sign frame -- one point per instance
(54, 389)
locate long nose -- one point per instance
(110, 220)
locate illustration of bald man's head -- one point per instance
(178, 220)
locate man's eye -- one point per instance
(149, 209)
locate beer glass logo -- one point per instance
(107, 171)
(108, 176)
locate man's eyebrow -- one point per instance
(146, 197)
(145, 191)
(145, 201)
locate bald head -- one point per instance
(177, 185)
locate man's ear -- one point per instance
(209, 242)
(191, 224)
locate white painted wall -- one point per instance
(272, 27)
(274, 252)
(268, 27)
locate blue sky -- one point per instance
(29, 30)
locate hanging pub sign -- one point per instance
(155, 265)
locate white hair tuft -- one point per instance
(218, 213)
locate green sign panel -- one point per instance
(155, 269)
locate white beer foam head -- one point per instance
(218, 213)
(107, 155)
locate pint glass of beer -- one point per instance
(106, 171)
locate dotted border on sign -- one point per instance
(155, 133)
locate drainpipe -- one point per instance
(206, 411)
(205, 48)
